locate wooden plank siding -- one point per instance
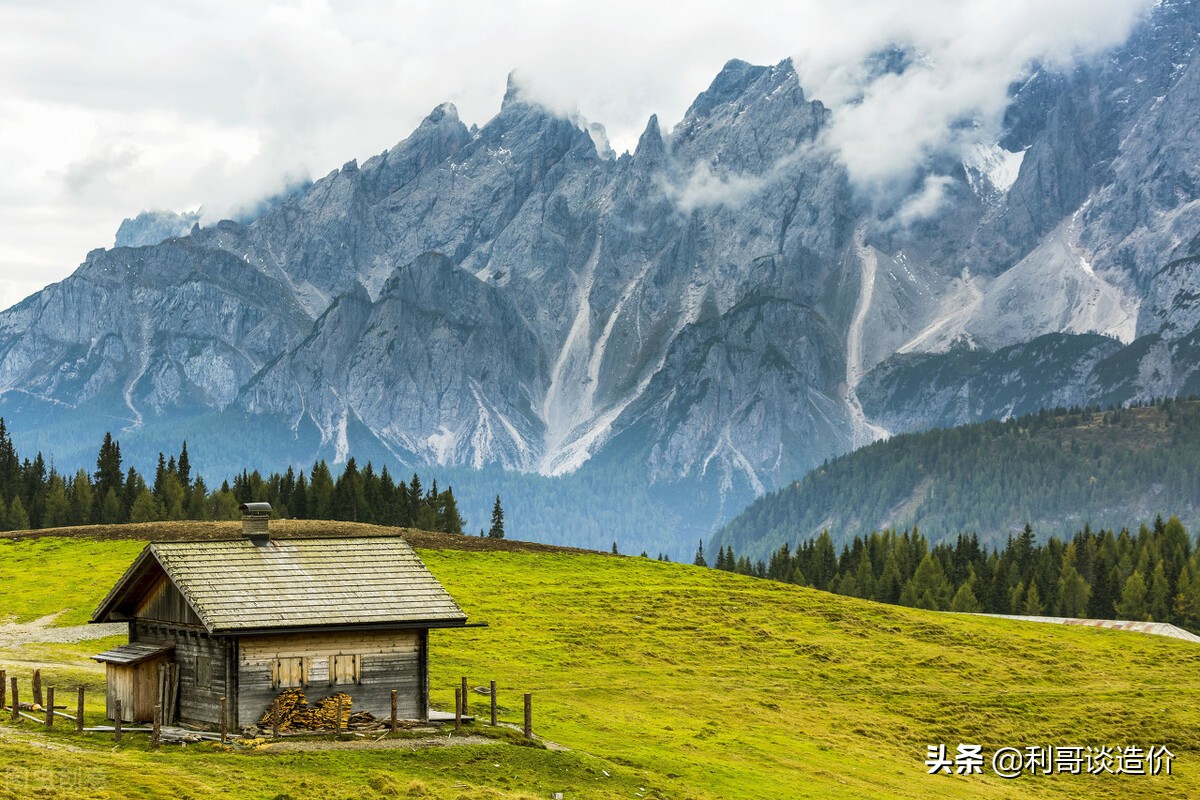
(164, 602)
(385, 660)
(136, 686)
(202, 668)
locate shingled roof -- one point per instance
(240, 586)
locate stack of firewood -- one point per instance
(296, 715)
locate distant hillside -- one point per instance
(1055, 469)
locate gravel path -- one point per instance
(15, 634)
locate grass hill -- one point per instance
(661, 680)
(1056, 469)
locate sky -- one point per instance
(108, 109)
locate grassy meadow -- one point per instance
(661, 680)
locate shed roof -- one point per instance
(240, 586)
(133, 653)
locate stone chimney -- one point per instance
(256, 519)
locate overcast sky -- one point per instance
(110, 108)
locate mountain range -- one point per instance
(708, 316)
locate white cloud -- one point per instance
(110, 108)
(705, 189)
(926, 202)
(967, 54)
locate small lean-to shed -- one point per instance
(248, 617)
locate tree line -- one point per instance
(35, 495)
(1055, 468)
(1151, 574)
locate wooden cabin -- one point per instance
(247, 617)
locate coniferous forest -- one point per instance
(1056, 469)
(1151, 574)
(35, 495)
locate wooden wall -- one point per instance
(202, 663)
(387, 660)
(166, 603)
(136, 686)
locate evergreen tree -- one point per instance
(614, 550)
(928, 588)
(82, 499)
(320, 492)
(964, 599)
(1033, 602)
(1187, 599)
(1158, 595)
(58, 507)
(144, 508)
(497, 529)
(449, 520)
(1073, 593)
(699, 560)
(16, 519)
(108, 467)
(111, 512)
(1133, 599)
(184, 469)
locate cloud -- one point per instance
(117, 107)
(953, 92)
(926, 202)
(705, 189)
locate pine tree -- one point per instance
(1133, 599)
(82, 499)
(1186, 603)
(184, 469)
(699, 560)
(964, 599)
(928, 587)
(58, 507)
(449, 520)
(16, 519)
(1158, 595)
(108, 467)
(1073, 593)
(497, 529)
(320, 492)
(144, 508)
(1033, 606)
(615, 553)
(1073, 589)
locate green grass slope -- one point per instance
(1055, 469)
(662, 680)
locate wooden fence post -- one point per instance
(275, 718)
(79, 713)
(457, 708)
(224, 720)
(156, 732)
(37, 687)
(50, 707)
(493, 704)
(395, 722)
(117, 721)
(464, 695)
(3, 688)
(16, 714)
(528, 716)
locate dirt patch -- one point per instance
(38, 631)
(424, 743)
(295, 529)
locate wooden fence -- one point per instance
(10, 700)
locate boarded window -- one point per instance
(203, 672)
(289, 673)
(344, 669)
